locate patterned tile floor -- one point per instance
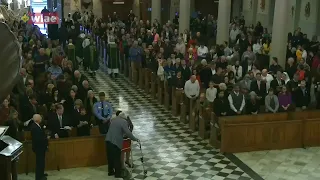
(293, 164)
(171, 150)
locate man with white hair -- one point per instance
(83, 90)
(114, 142)
(78, 78)
(202, 51)
(265, 76)
(192, 88)
(39, 146)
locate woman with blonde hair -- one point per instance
(15, 125)
(88, 104)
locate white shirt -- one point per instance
(160, 72)
(211, 94)
(202, 51)
(213, 71)
(181, 48)
(231, 102)
(192, 89)
(237, 73)
(233, 34)
(257, 48)
(37, 124)
(60, 119)
(304, 54)
(268, 80)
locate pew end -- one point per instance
(215, 131)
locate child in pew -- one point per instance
(83, 123)
(128, 151)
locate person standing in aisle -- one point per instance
(114, 142)
(39, 146)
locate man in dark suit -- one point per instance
(58, 123)
(185, 70)
(259, 87)
(29, 108)
(83, 90)
(301, 96)
(277, 83)
(39, 146)
(78, 78)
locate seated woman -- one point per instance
(83, 122)
(271, 102)
(285, 100)
(252, 104)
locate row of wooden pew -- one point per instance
(231, 133)
(66, 153)
(199, 119)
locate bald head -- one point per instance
(193, 78)
(37, 118)
(77, 74)
(264, 72)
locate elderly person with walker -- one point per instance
(114, 142)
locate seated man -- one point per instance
(58, 123)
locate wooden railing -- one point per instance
(66, 153)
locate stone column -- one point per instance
(156, 10)
(236, 8)
(184, 15)
(97, 8)
(280, 32)
(136, 8)
(223, 21)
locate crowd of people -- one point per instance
(233, 78)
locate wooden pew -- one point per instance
(147, 80)
(311, 126)
(141, 79)
(177, 100)
(160, 91)
(135, 76)
(167, 91)
(154, 85)
(193, 114)
(215, 134)
(126, 67)
(121, 63)
(260, 132)
(184, 105)
(67, 153)
(130, 71)
(204, 122)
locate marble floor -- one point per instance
(172, 152)
(288, 164)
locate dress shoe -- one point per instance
(118, 176)
(111, 173)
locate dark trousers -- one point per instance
(114, 158)
(103, 128)
(40, 164)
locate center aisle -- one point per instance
(171, 150)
